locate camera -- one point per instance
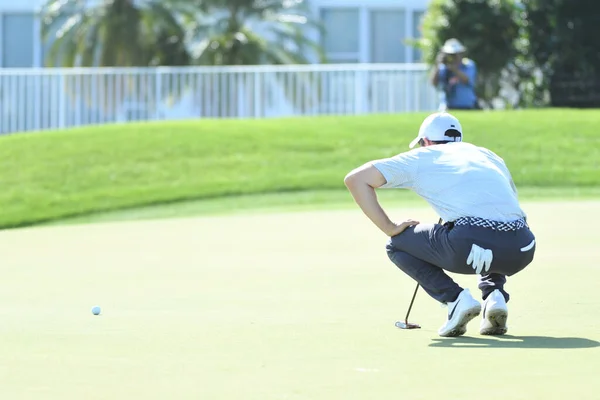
(448, 59)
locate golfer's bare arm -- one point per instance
(362, 182)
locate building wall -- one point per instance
(20, 41)
(20, 5)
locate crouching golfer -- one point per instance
(485, 232)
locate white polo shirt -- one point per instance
(457, 180)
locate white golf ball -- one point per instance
(96, 310)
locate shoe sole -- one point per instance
(497, 318)
(461, 327)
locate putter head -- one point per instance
(407, 325)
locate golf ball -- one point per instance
(96, 310)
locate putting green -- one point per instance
(284, 306)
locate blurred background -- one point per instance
(74, 62)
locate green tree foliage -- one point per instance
(488, 29)
(250, 32)
(253, 32)
(562, 40)
(129, 33)
(121, 33)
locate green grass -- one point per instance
(294, 306)
(54, 175)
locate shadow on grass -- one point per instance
(517, 342)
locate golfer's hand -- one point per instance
(397, 229)
(480, 258)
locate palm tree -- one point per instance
(251, 32)
(130, 33)
(112, 33)
(254, 32)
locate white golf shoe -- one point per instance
(495, 314)
(460, 312)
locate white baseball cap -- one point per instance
(440, 126)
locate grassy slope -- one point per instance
(54, 175)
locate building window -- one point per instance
(342, 34)
(17, 40)
(372, 34)
(388, 32)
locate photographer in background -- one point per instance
(455, 77)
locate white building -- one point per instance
(365, 31)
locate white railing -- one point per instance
(39, 99)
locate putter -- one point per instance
(405, 324)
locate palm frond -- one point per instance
(128, 33)
(284, 26)
(65, 30)
(300, 43)
(87, 46)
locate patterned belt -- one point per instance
(495, 225)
